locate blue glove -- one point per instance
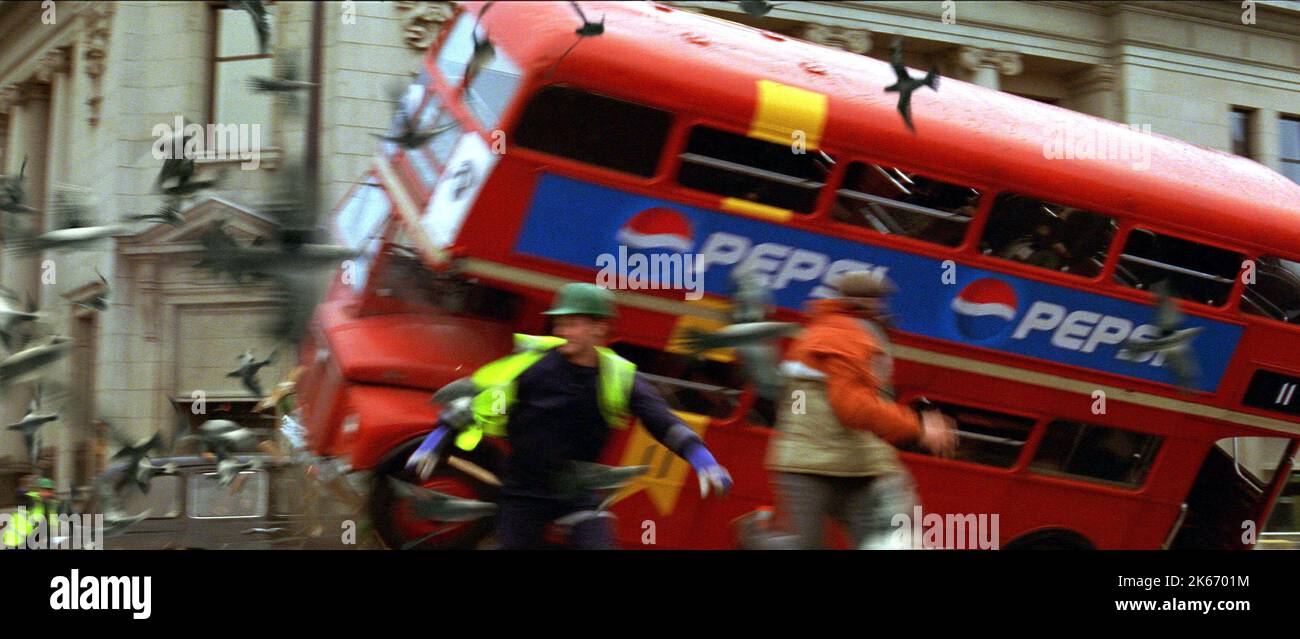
(710, 472)
(425, 458)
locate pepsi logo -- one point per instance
(658, 228)
(984, 308)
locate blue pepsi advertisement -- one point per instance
(606, 229)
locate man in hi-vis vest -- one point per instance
(557, 398)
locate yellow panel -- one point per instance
(754, 209)
(782, 110)
(668, 472)
(686, 323)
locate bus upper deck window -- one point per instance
(595, 129)
(1193, 270)
(896, 202)
(1047, 235)
(1275, 291)
(742, 167)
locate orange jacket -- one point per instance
(835, 343)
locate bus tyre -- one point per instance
(397, 525)
(1050, 540)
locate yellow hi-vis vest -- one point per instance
(20, 523)
(496, 384)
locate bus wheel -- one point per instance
(1050, 540)
(397, 525)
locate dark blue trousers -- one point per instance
(523, 522)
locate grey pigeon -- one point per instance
(12, 193)
(285, 84)
(1174, 343)
(248, 369)
(145, 471)
(30, 424)
(738, 335)
(13, 317)
(750, 336)
(133, 452)
(257, 11)
(99, 301)
(483, 51)
(228, 469)
(586, 30)
(437, 506)
(757, 8)
(30, 363)
(906, 84)
(224, 437)
(116, 521)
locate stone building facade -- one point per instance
(82, 87)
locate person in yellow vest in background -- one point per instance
(34, 504)
(557, 399)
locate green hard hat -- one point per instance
(46, 483)
(580, 298)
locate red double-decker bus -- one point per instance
(682, 141)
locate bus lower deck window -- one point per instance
(738, 166)
(1096, 453)
(896, 202)
(596, 129)
(1052, 236)
(984, 437)
(1193, 271)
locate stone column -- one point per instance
(1265, 138)
(29, 138)
(985, 67)
(1093, 91)
(53, 70)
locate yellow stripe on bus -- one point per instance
(754, 209)
(786, 115)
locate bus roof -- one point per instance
(709, 66)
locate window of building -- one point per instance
(596, 129)
(1047, 235)
(985, 437)
(246, 496)
(1193, 270)
(1289, 131)
(734, 165)
(163, 501)
(235, 61)
(1096, 453)
(1240, 119)
(1275, 293)
(897, 202)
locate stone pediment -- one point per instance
(241, 222)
